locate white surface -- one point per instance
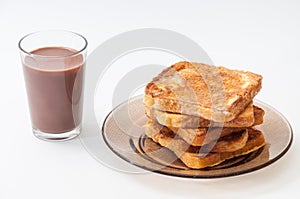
(261, 36)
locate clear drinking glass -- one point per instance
(53, 65)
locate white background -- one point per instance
(261, 36)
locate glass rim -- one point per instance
(50, 57)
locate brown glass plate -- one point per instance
(123, 132)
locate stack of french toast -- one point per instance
(204, 114)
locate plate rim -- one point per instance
(232, 174)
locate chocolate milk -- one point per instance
(54, 88)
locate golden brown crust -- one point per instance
(214, 93)
(259, 114)
(194, 137)
(251, 116)
(199, 161)
(228, 143)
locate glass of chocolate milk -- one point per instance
(53, 65)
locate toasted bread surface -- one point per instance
(210, 142)
(194, 137)
(197, 160)
(251, 116)
(213, 93)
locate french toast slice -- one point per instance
(226, 143)
(197, 160)
(251, 116)
(244, 119)
(194, 137)
(213, 93)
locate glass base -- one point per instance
(57, 136)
